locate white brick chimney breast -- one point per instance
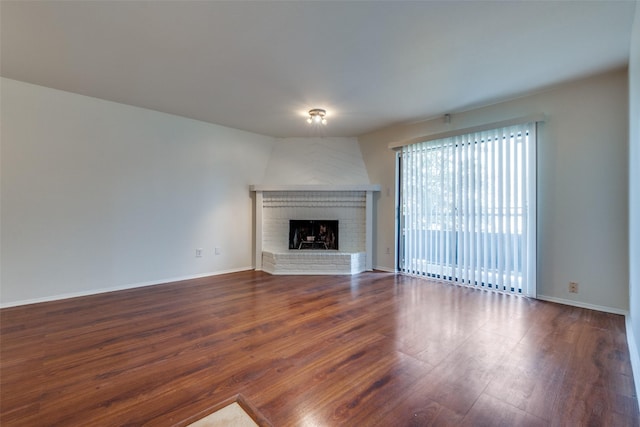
(351, 205)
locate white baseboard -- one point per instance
(602, 308)
(634, 356)
(118, 288)
(385, 269)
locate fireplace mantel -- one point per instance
(262, 192)
(360, 187)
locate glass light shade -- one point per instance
(316, 115)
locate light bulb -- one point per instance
(324, 121)
(309, 120)
(317, 119)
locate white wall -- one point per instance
(97, 195)
(582, 185)
(634, 197)
(316, 161)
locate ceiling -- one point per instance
(259, 65)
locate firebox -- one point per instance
(318, 234)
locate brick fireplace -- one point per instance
(351, 206)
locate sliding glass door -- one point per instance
(467, 209)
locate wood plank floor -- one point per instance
(376, 349)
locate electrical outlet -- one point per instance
(388, 251)
(217, 251)
(573, 287)
(199, 253)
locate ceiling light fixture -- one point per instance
(316, 115)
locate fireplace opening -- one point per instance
(313, 234)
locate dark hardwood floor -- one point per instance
(375, 349)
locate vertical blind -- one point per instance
(467, 209)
